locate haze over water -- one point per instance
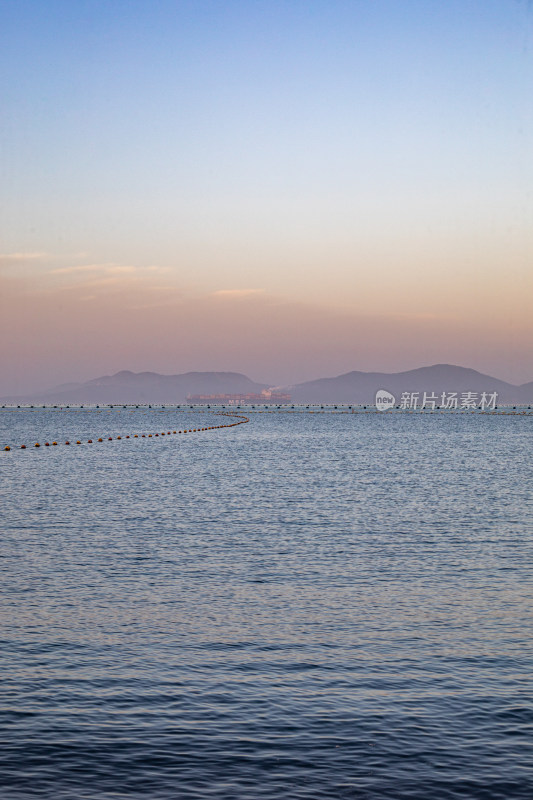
(305, 606)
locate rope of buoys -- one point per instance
(340, 409)
(242, 419)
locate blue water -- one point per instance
(304, 606)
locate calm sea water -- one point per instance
(305, 606)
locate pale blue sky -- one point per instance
(331, 152)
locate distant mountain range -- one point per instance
(144, 387)
(361, 387)
(352, 387)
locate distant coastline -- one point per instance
(352, 387)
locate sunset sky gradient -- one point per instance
(286, 189)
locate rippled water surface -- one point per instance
(304, 606)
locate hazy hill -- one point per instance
(361, 387)
(527, 392)
(352, 387)
(145, 387)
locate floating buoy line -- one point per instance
(328, 409)
(240, 417)
(293, 409)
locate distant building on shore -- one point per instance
(267, 397)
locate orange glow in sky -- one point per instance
(286, 190)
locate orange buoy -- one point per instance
(22, 446)
(67, 442)
(78, 442)
(7, 447)
(119, 437)
(55, 444)
(89, 441)
(37, 444)
(100, 440)
(47, 444)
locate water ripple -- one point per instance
(301, 607)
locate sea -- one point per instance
(305, 605)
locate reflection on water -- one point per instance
(307, 606)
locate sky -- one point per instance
(289, 189)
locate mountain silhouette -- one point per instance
(144, 387)
(351, 388)
(361, 387)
